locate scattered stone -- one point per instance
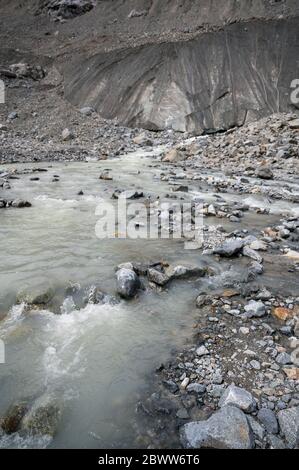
(264, 173)
(67, 135)
(255, 309)
(197, 388)
(238, 397)
(20, 203)
(282, 313)
(202, 351)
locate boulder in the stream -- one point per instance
(128, 283)
(12, 419)
(43, 417)
(35, 295)
(265, 173)
(20, 203)
(230, 248)
(98, 297)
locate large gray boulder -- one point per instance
(228, 428)
(238, 397)
(128, 283)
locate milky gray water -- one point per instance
(97, 360)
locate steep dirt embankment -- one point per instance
(219, 80)
(193, 65)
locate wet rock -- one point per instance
(228, 428)
(230, 248)
(264, 173)
(128, 283)
(170, 385)
(268, 419)
(203, 300)
(255, 309)
(127, 194)
(20, 203)
(157, 277)
(97, 296)
(252, 254)
(238, 397)
(180, 189)
(289, 425)
(36, 296)
(258, 245)
(11, 422)
(162, 405)
(105, 176)
(185, 272)
(44, 417)
(255, 269)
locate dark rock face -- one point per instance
(67, 8)
(217, 81)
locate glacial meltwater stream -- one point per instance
(96, 361)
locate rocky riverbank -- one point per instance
(236, 383)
